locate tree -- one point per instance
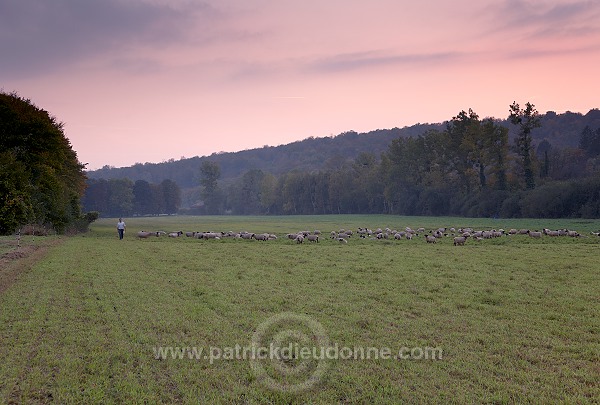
(15, 206)
(172, 196)
(120, 198)
(464, 151)
(526, 119)
(209, 175)
(589, 141)
(143, 198)
(212, 195)
(496, 151)
(247, 193)
(543, 150)
(268, 193)
(44, 180)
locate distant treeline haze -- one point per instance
(467, 166)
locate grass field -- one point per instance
(91, 319)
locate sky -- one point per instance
(138, 81)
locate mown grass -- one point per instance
(517, 318)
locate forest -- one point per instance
(528, 165)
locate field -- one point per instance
(92, 319)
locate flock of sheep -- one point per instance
(459, 235)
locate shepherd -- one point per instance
(121, 228)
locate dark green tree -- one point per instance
(120, 197)
(15, 194)
(268, 194)
(495, 146)
(48, 179)
(246, 193)
(211, 193)
(589, 141)
(158, 199)
(464, 150)
(143, 198)
(526, 120)
(172, 196)
(543, 151)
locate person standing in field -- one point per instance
(121, 228)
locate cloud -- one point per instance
(365, 60)
(531, 53)
(538, 21)
(41, 36)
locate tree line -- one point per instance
(324, 153)
(41, 179)
(123, 197)
(470, 168)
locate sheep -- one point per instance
(460, 240)
(409, 236)
(317, 232)
(398, 236)
(342, 240)
(535, 234)
(292, 235)
(333, 234)
(430, 239)
(144, 234)
(313, 238)
(299, 238)
(190, 234)
(262, 236)
(175, 234)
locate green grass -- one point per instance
(516, 318)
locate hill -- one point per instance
(314, 154)
(309, 154)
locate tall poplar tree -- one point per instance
(527, 120)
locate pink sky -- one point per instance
(149, 80)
